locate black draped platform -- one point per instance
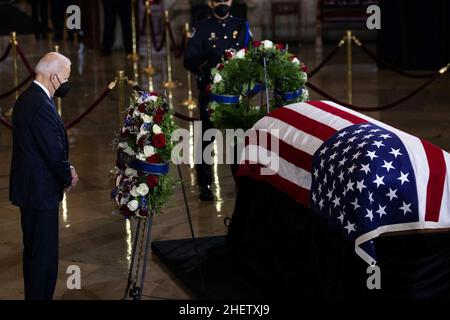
(275, 248)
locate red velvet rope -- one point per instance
(379, 108)
(184, 117)
(6, 53)
(5, 122)
(89, 109)
(152, 34)
(325, 61)
(24, 59)
(178, 50)
(20, 85)
(391, 67)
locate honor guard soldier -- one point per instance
(206, 46)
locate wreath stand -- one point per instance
(142, 241)
(143, 235)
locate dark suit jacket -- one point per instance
(40, 169)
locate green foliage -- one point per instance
(242, 71)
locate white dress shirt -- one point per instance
(43, 88)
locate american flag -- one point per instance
(363, 176)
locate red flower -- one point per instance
(159, 141)
(279, 46)
(159, 116)
(220, 66)
(151, 181)
(141, 107)
(143, 212)
(160, 111)
(125, 133)
(209, 88)
(229, 54)
(141, 141)
(154, 93)
(303, 67)
(125, 211)
(130, 112)
(256, 44)
(154, 158)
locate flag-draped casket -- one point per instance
(359, 175)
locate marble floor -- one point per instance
(99, 242)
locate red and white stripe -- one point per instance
(302, 129)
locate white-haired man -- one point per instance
(41, 172)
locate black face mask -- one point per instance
(63, 89)
(222, 10)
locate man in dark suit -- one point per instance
(41, 172)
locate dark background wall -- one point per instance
(415, 34)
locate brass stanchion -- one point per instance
(150, 70)
(120, 81)
(58, 100)
(14, 55)
(444, 69)
(349, 67)
(135, 71)
(133, 56)
(189, 102)
(169, 84)
(13, 40)
(65, 34)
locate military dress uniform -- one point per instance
(205, 49)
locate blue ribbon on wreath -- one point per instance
(256, 89)
(291, 95)
(160, 169)
(225, 99)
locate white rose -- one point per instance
(146, 118)
(118, 180)
(267, 44)
(129, 151)
(156, 129)
(136, 113)
(295, 61)
(123, 200)
(240, 54)
(140, 101)
(142, 189)
(123, 145)
(153, 98)
(149, 151)
(217, 78)
(133, 192)
(141, 157)
(130, 172)
(133, 205)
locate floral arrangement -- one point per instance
(241, 75)
(143, 154)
